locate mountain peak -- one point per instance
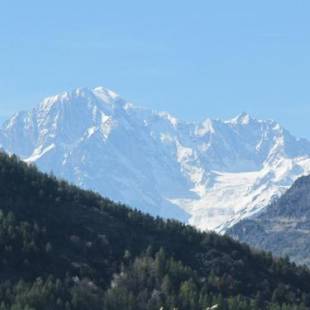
(105, 94)
(80, 94)
(242, 119)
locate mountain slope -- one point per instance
(210, 174)
(283, 227)
(76, 250)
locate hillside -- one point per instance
(284, 227)
(65, 248)
(210, 174)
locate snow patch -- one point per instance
(39, 152)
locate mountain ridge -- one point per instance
(210, 174)
(283, 227)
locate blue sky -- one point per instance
(192, 58)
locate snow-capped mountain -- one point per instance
(210, 174)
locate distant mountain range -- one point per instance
(211, 174)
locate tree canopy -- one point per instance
(66, 248)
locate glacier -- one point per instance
(210, 174)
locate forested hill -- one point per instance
(284, 226)
(65, 248)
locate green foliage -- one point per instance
(65, 248)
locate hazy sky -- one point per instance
(192, 58)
